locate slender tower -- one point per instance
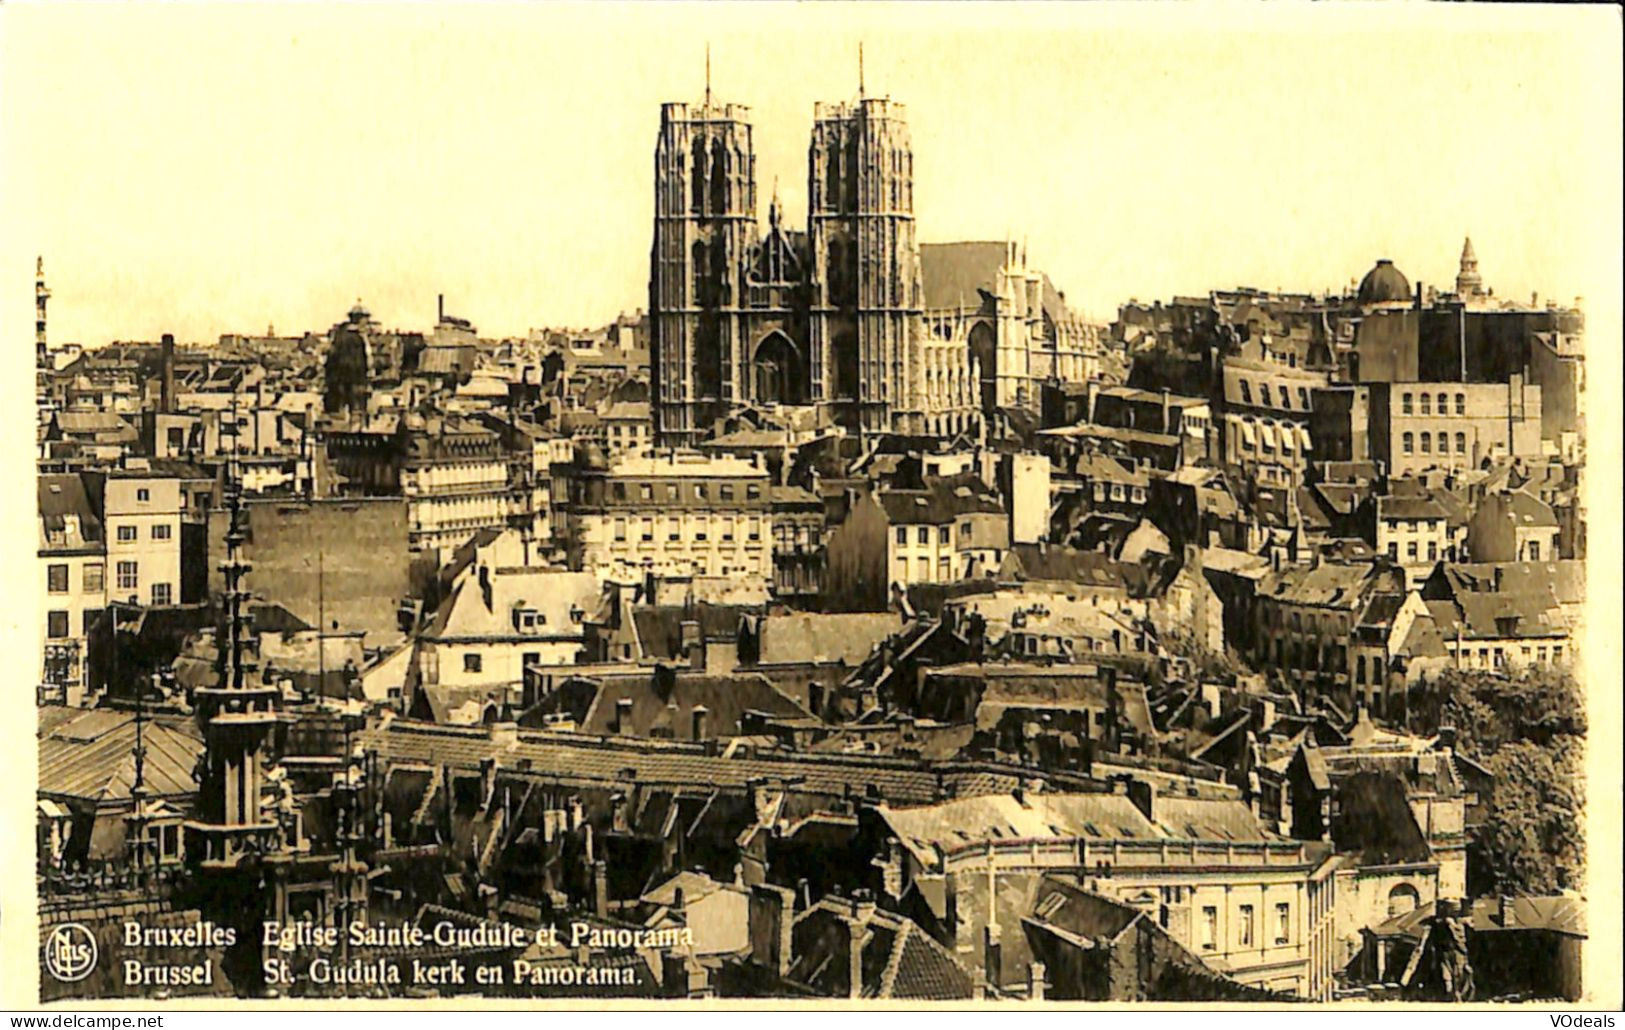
(705, 224)
(867, 297)
(1468, 282)
(235, 844)
(42, 352)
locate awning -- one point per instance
(1267, 431)
(1303, 437)
(1245, 427)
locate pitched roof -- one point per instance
(1565, 579)
(1327, 584)
(824, 638)
(67, 517)
(954, 274)
(555, 594)
(92, 756)
(578, 758)
(898, 960)
(660, 627)
(942, 501)
(970, 823)
(1521, 507)
(725, 699)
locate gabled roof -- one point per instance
(556, 595)
(898, 960)
(1521, 507)
(92, 757)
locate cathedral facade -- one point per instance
(834, 315)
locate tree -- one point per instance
(1528, 730)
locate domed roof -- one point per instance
(1384, 284)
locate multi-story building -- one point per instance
(671, 514)
(73, 557)
(1416, 532)
(1267, 411)
(141, 513)
(1303, 618)
(948, 532)
(1512, 526)
(1252, 904)
(500, 620)
(798, 543)
(1445, 425)
(455, 478)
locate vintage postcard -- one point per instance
(840, 505)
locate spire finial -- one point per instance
(708, 75)
(860, 69)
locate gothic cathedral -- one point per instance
(826, 317)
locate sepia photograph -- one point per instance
(835, 505)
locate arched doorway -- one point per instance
(777, 372)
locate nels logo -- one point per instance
(70, 952)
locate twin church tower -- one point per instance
(827, 316)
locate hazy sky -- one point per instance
(208, 169)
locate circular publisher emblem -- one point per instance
(70, 952)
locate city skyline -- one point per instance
(548, 226)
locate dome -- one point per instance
(1384, 284)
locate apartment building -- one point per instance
(73, 561)
(1421, 426)
(141, 511)
(672, 513)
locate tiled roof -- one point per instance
(1104, 818)
(1565, 579)
(725, 699)
(660, 627)
(898, 960)
(576, 758)
(1327, 584)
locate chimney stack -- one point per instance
(701, 714)
(166, 383)
(600, 889)
(1144, 797)
(623, 715)
(770, 921)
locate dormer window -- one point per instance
(528, 620)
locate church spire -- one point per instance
(1468, 282)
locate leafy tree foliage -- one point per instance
(1528, 730)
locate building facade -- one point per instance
(672, 514)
